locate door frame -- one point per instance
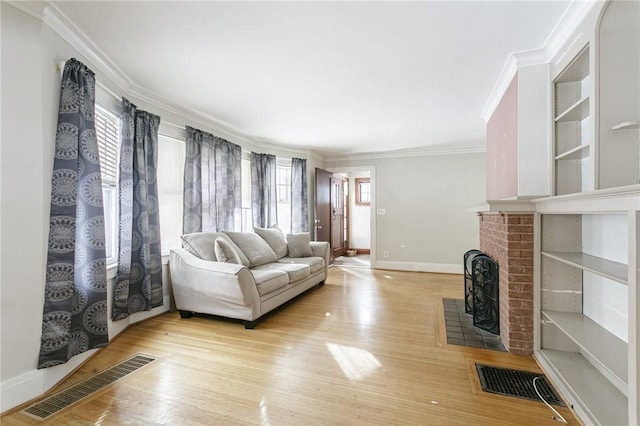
(372, 175)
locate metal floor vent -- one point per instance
(516, 383)
(66, 397)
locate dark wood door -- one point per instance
(338, 236)
(322, 226)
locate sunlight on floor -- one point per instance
(264, 413)
(356, 364)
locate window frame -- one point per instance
(359, 192)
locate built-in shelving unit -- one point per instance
(572, 135)
(587, 251)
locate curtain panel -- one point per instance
(139, 286)
(212, 189)
(299, 198)
(75, 300)
(264, 201)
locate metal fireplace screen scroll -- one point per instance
(481, 290)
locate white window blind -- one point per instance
(283, 186)
(108, 136)
(171, 154)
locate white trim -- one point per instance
(441, 268)
(67, 30)
(434, 150)
(567, 25)
(515, 61)
(25, 387)
(603, 200)
(372, 205)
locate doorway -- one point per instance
(344, 215)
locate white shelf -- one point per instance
(577, 70)
(577, 153)
(602, 347)
(606, 268)
(576, 112)
(587, 390)
(627, 125)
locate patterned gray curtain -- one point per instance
(212, 190)
(264, 201)
(75, 300)
(139, 286)
(299, 203)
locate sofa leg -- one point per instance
(250, 325)
(321, 282)
(185, 314)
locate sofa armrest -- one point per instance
(195, 280)
(321, 249)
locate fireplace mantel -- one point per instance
(520, 205)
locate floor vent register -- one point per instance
(71, 395)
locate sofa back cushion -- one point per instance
(275, 238)
(255, 248)
(225, 253)
(299, 245)
(202, 244)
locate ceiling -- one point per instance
(337, 78)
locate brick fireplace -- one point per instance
(508, 238)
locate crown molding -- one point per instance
(515, 61)
(65, 28)
(566, 25)
(427, 151)
(53, 17)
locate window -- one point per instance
(171, 155)
(283, 194)
(108, 136)
(363, 192)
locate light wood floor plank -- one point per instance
(367, 348)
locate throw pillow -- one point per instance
(225, 252)
(299, 245)
(202, 245)
(275, 238)
(255, 248)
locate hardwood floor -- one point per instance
(368, 347)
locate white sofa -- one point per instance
(244, 275)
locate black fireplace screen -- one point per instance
(481, 290)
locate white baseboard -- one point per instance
(442, 268)
(25, 387)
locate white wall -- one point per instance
(31, 50)
(426, 226)
(359, 216)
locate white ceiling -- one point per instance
(334, 77)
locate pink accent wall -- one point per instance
(502, 146)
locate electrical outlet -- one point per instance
(385, 254)
(381, 212)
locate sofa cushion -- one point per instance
(268, 280)
(225, 252)
(316, 264)
(275, 238)
(299, 245)
(202, 244)
(255, 248)
(296, 271)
